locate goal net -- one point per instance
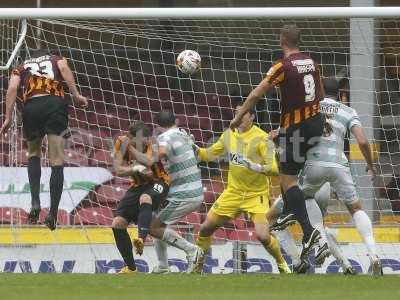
(127, 70)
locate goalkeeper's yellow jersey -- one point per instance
(252, 145)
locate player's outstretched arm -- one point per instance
(365, 147)
(213, 152)
(251, 100)
(11, 97)
(69, 79)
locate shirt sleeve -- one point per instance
(266, 150)
(163, 141)
(214, 151)
(276, 74)
(354, 120)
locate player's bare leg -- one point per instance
(34, 174)
(269, 242)
(56, 158)
(207, 229)
(296, 203)
(124, 244)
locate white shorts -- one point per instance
(176, 210)
(322, 197)
(340, 179)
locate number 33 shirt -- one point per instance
(40, 76)
(300, 87)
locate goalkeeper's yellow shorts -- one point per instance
(232, 203)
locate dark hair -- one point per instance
(331, 86)
(139, 127)
(35, 53)
(165, 118)
(291, 35)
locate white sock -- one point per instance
(316, 219)
(335, 249)
(161, 251)
(364, 227)
(174, 239)
(289, 245)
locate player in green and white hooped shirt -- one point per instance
(326, 162)
(175, 150)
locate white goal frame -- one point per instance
(200, 12)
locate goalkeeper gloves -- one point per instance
(253, 166)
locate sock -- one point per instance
(204, 242)
(335, 249)
(56, 188)
(172, 238)
(161, 251)
(316, 219)
(296, 204)
(289, 245)
(144, 220)
(364, 227)
(124, 245)
(274, 249)
(34, 173)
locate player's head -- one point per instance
(290, 37)
(331, 87)
(139, 132)
(247, 120)
(165, 119)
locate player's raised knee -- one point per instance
(119, 223)
(145, 198)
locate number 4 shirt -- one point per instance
(300, 87)
(40, 76)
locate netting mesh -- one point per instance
(127, 69)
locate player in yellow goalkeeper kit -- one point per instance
(251, 162)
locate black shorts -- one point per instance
(45, 115)
(295, 141)
(128, 207)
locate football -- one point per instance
(188, 62)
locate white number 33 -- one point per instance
(41, 69)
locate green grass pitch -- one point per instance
(192, 287)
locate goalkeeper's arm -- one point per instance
(267, 169)
(269, 165)
(211, 153)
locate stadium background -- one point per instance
(203, 103)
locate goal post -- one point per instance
(124, 62)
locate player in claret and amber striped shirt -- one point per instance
(44, 113)
(148, 191)
(298, 78)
